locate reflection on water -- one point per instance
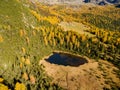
(66, 59)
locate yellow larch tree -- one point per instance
(68, 39)
(23, 50)
(73, 38)
(71, 46)
(20, 86)
(45, 40)
(83, 38)
(54, 42)
(21, 33)
(36, 15)
(1, 38)
(61, 41)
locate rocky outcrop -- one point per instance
(78, 1)
(62, 1)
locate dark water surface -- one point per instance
(66, 59)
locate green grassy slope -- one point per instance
(10, 19)
(15, 15)
(15, 18)
(11, 13)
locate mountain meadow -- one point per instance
(31, 33)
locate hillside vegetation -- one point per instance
(29, 31)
